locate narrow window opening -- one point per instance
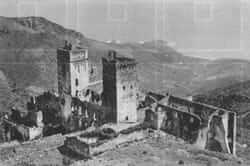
(64, 69)
(77, 82)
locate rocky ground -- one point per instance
(162, 151)
(159, 149)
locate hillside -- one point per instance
(28, 50)
(227, 97)
(28, 60)
(158, 149)
(161, 68)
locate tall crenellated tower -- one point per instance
(120, 87)
(73, 70)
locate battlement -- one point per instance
(120, 62)
(73, 53)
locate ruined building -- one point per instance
(24, 128)
(202, 125)
(73, 70)
(120, 87)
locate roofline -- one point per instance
(176, 109)
(201, 104)
(73, 49)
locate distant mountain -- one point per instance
(28, 59)
(221, 73)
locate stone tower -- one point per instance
(120, 87)
(73, 70)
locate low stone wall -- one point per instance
(119, 141)
(81, 144)
(9, 144)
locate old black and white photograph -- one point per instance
(124, 82)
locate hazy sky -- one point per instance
(100, 19)
(187, 24)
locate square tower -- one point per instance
(120, 87)
(73, 70)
